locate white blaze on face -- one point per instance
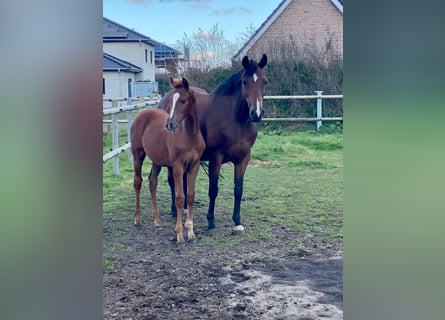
(258, 108)
(175, 99)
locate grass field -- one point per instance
(294, 181)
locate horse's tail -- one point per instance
(205, 166)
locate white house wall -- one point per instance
(134, 52)
(116, 85)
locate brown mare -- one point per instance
(227, 120)
(170, 140)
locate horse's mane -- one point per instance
(231, 85)
(228, 87)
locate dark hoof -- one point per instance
(238, 230)
(175, 240)
(212, 230)
(211, 226)
(209, 232)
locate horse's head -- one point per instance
(253, 80)
(182, 102)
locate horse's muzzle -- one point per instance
(169, 125)
(254, 116)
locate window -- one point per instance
(151, 56)
(146, 55)
(103, 86)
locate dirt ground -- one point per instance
(219, 275)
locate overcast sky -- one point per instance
(167, 20)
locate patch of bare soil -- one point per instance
(149, 276)
(256, 163)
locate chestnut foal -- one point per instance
(170, 140)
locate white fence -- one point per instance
(319, 118)
(114, 111)
(153, 102)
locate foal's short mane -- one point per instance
(177, 83)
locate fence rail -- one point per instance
(152, 102)
(319, 118)
(326, 96)
(114, 111)
(131, 107)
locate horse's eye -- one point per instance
(244, 82)
(183, 101)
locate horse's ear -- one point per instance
(263, 61)
(171, 81)
(185, 83)
(245, 62)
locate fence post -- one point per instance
(129, 122)
(319, 108)
(115, 137)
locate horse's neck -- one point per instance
(242, 112)
(237, 108)
(190, 124)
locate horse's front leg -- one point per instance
(214, 169)
(240, 169)
(191, 181)
(178, 172)
(171, 183)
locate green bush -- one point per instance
(290, 71)
(163, 83)
(208, 79)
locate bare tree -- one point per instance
(210, 49)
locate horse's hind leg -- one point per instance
(171, 183)
(138, 159)
(184, 185)
(214, 169)
(153, 181)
